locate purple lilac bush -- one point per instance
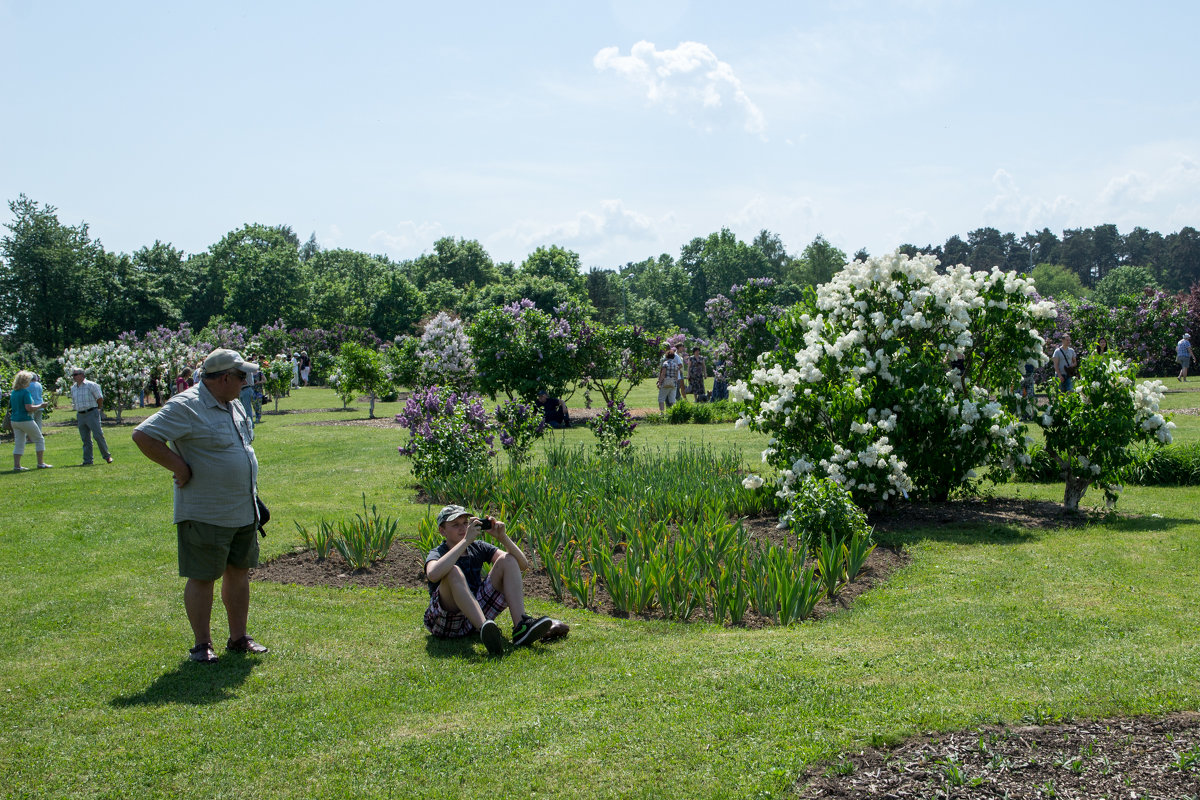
(449, 433)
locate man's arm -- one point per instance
(165, 457)
(510, 547)
(436, 570)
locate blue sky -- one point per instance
(620, 130)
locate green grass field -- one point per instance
(987, 624)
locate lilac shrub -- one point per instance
(740, 324)
(519, 425)
(449, 433)
(1144, 331)
(613, 429)
(445, 353)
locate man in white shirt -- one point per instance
(87, 399)
(1065, 363)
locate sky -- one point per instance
(619, 129)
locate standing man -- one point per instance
(668, 377)
(1183, 355)
(1066, 363)
(216, 485)
(88, 400)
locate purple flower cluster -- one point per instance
(449, 433)
(614, 428)
(519, 426)
(517, 308)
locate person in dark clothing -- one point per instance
(554, 410)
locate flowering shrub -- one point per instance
(613, 429)
(120, 370)
(613, 358)
(1089, 430)
(166, 352)
(520, 349)
(882, 381)
(277, 377)
(1144, 329)
(822, 511)
(444, 354)
(360, 369)
(219, 333)
(519, 425)
(740, 323)
(449, 433)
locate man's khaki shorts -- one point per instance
(205, 550)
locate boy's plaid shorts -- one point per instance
(453, 624)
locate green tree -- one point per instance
(665, 283)
(461, 261)
(607, 294)
(771, 246)
(258, 273)
(544, 291)
(818, 263)
(360, 369)
(47, 275)
(1055, 280)
(557, 264)
(716, 264)
(1123, 282)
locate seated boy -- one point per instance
(461, 601)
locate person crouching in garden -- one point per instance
(461, 601)
(554, 410)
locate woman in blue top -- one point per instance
(24, 425)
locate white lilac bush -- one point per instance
(895, 378)
(120, 370)
(1090, 428)
(444, 353)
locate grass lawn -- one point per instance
(988, 624)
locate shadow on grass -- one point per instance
(469, 648)
(194, 684)
(999, 521)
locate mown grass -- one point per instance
(96, 700)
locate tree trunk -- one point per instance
(1076, 487)
(371, 412)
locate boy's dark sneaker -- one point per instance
(492, 638)
(558, 630)
(529, 630)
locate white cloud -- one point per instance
(689, 77)
(595, 234)
(408, 239)
(1012, 209)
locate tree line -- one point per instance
(59, 287)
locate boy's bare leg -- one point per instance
(455, 595)
(506, 578)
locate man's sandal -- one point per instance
(203, 653)
(245, 645)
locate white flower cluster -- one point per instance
(871, 324)
(445, 351)
(1146, 399)
(121, 371)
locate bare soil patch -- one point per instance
(1141, 757)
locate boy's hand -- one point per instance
(473, 530)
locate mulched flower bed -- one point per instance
(405, 567)
(1157, 759)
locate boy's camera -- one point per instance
(485, 524)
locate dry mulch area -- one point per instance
(1140, 757)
